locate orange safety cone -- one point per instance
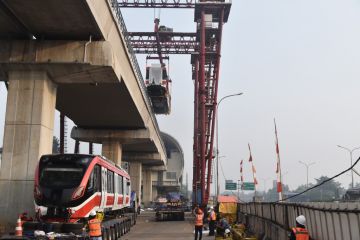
(19, 229)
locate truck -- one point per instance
(171, 208)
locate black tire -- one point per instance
(76, 228)
(31, 226)
(111, 233)
(107, 233)
(122, 227)
(103, 233)
(118, 234)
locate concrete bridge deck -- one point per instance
(72, 56)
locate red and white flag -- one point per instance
(250, 158)
(253, 167)
(278, 166)
(241, 171)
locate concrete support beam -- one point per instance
(28, 134)
(152, 159)
(125, 138)
(101, 135)
(113, 151)
(136, 178)
(147, 187)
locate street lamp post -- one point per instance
(307, 165)
(351, 161)
(217, 140)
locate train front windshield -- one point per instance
(63, 171)
(61, 177)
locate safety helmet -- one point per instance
(211, 208)
(227, 231)
(301, 220)
(92, 213)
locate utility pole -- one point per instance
(307, 165)
(351, 161)
(217, 140)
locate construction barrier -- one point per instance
(325, 221)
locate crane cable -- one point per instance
(323, 182)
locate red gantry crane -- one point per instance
(204, 46)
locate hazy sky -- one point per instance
(297, 61)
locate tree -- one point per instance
(56, 145)
(326, 192)
(272, 195)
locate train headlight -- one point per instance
(78, 193)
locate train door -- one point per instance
(103, 187)
(125, 190)
(116, 191)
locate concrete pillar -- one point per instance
(154, 192)
(28, 134)
(135, 175)
(147, 188)
(113, 151)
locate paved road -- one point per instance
(148, 229)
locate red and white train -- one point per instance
(69, 186)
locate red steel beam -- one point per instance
(196, 130)
(156, 3)
(202, 102)
(214, 112)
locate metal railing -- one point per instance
(325, 221)
(133, 60)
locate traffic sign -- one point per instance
(248, 186)
(230, 186)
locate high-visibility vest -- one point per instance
(212, 216)
(94, 227)
(199, 219)
(301, 233)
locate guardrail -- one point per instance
(325, 221)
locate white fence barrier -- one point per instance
(325, 221)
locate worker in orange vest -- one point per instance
(212, 219)
(199, 223)
(94, 225)
(299, 232)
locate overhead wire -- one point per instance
(322, 183)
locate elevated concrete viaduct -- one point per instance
(72, 56)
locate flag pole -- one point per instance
(278, 165)
(241, 178)
(253, 171)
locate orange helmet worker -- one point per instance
(94, 227)
(199, 223)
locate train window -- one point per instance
(110, 182)
(164, 74)
(147, 73)
(91, 181)
(121, 185)
(97, 178)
